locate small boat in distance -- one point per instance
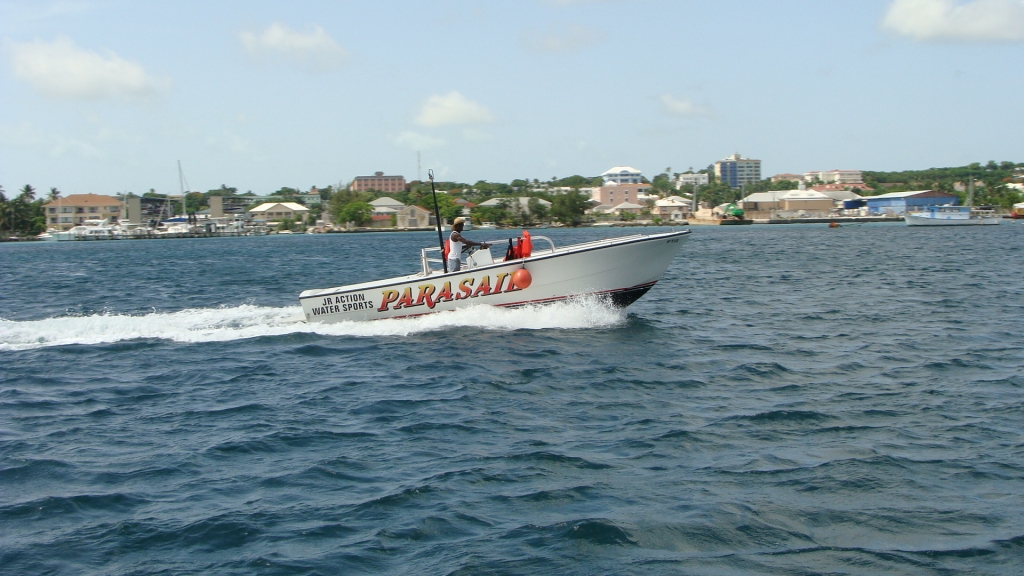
(485, 226)
(948, 215)
(620, 269)
(952, 215)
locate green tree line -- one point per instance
(352, 206)
(990, 179)
(22, 215)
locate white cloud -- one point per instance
(685, 107)
(977, 20)
(62, 70)
(572, 37)
(314, 50)
(452, 109)
(418, 141)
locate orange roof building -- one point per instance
(65, 213)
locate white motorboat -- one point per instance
(620, 269)
(949, 215)
(89, 230)
(485, 226)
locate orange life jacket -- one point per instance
(525, 245)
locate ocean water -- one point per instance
(788, 400)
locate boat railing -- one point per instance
(550, 242)
(426, 258)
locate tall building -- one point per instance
(737, 171)
(378, 182)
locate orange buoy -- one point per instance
(522, 278)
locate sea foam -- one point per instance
(249, 321)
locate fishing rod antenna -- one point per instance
(437, 219)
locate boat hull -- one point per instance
(621, 270)
(917, 220)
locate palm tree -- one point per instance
(28, 193)
(54, 195)
(3, 207)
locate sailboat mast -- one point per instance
(181, 185)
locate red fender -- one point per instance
(522, 279)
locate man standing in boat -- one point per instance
(457, 243)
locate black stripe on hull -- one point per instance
(618, 298)
(626, 297)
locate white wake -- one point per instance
(246, 321)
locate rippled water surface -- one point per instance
(788, 400)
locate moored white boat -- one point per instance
(620, 269)
(951, 216)
(89, 230)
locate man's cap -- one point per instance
(458, 220)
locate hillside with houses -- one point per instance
(621, 194)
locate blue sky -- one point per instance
(106, 96)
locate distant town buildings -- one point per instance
(220, 206)
(836, 191)
(71, 211)
(467, 206)
(614, 194)
(522, 201)
(622, 175)
(386, 205)
(673, 208)
(805, 201)
(737, 171)
(310, 199)
(903, 202)
(385, 211)
(787, 177)
(845, 177)
(378, 182)
(692, 180)
(414, 217)
(763, 201)
(277, 211)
